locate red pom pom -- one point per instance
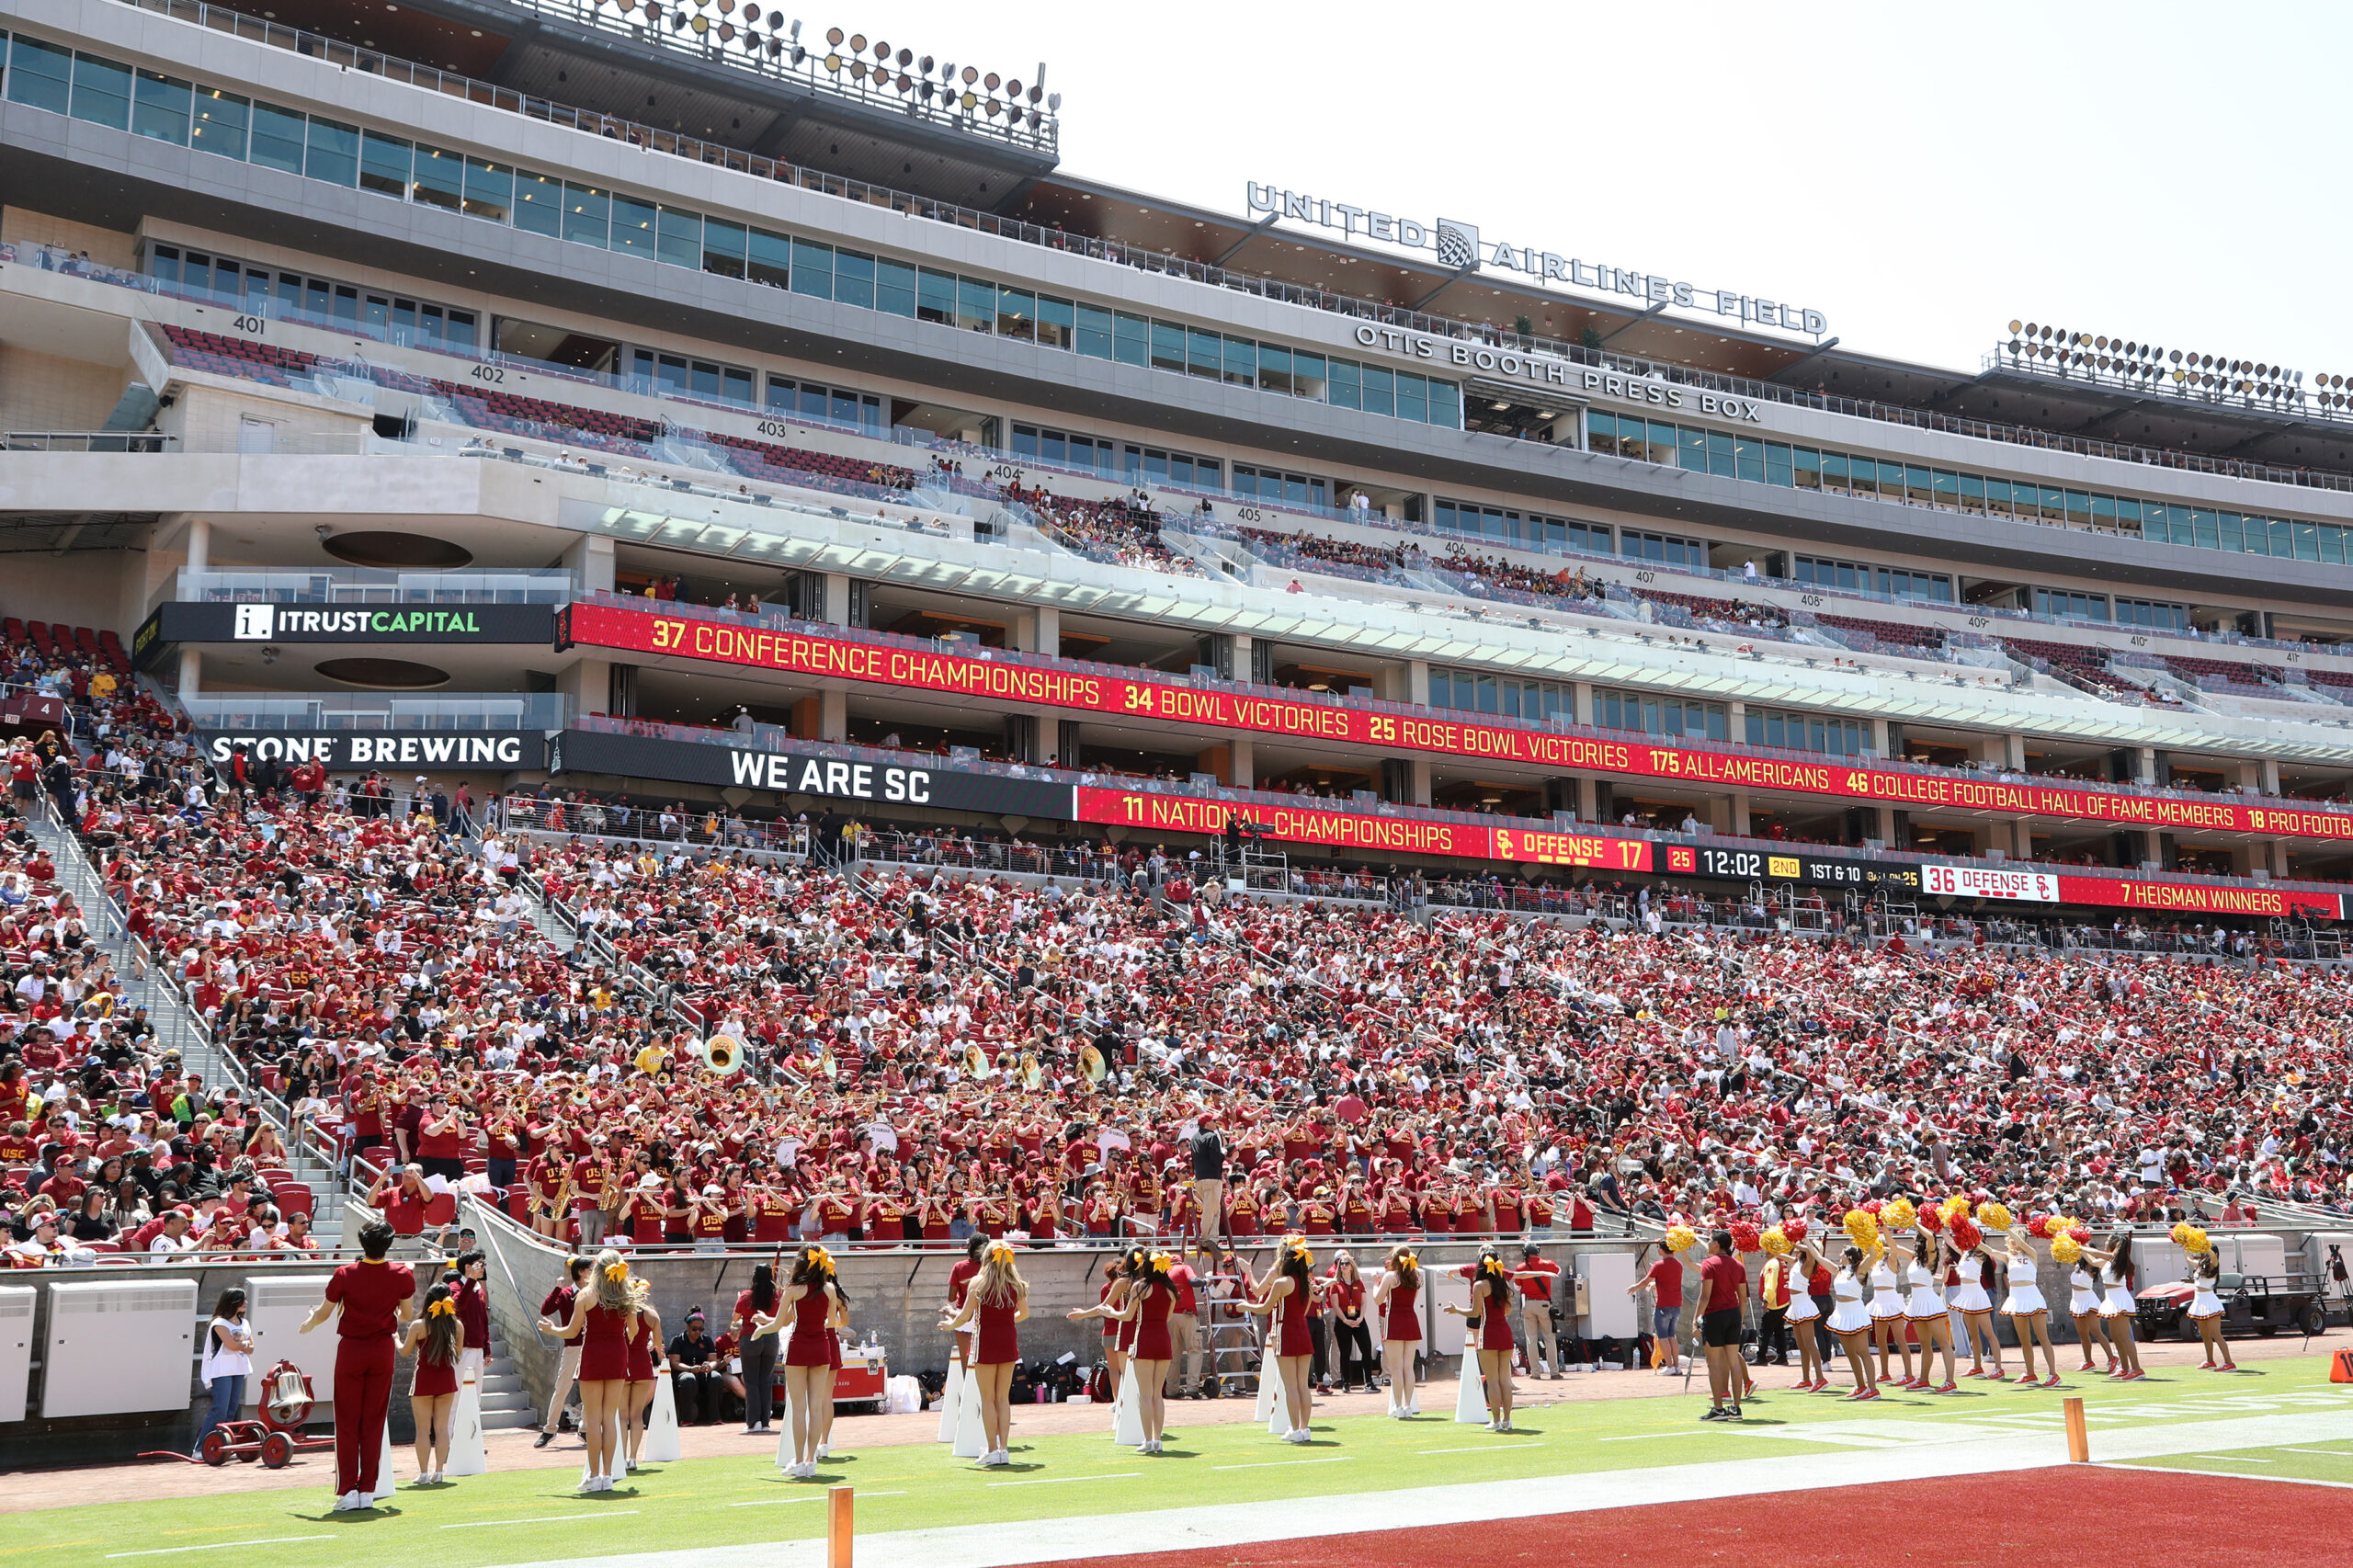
(1871, 1207)
(1965, 1234)
(1930, 1219)
(1745, 1237)
(2082, 1234)
(1794, 1229)
(2037, 1225)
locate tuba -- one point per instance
(723, 1054)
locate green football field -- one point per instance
(2291, 1461)
(535, 1516)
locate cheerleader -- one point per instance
(1850, 1320)
(2083, 1303)
(997, 1303)
(436, 1339)
(1887, 1315)
(1401, 1337)
(808, 1300)
(1924, 1305)
(603, 1319)
(2029, 1314)
(2119, 1305)
(637, 1398)
(838, 1320)
(2206, 1307)
(1110, 1303)
(1286, 1301)
(1801, 1316)
(1148, 1299)
(1490, 1315)
(1966, 1280)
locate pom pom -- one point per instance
(2037, 1225)
(1744, 1236)
(1680, 1238)
(1994, 1216)
(2082, 1234)
(1862, 1228)
(1775, 1241)
(1956, 1206)
(1965, 1233)
(2064, 1248)
(1872, 1207)
(1932, 1219)
(2189, 1239)
(1898, 1215)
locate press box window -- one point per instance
(1652, 715)
(1807, 731)
(2069, 606)
(2150, 613)
(1665, 549)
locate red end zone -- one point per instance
(2065, 1517)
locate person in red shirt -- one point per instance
(1343, 1293)
(1537, 1278)
(371, 1300)
(1664, 1282)
(1723, 1302)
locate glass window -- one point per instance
(1380, 391)
(1691, 450)
(586, 214)
(1167, 346)
(1016, 313)
(538, 203)
(2307, 541)
(1601, 431)
(2332, 545)
(1917, 489)
(1057, 322)
(1445, 404)
(1274, 368)
(2078, 509)
(101, 91)
(813, 268)
(385, 164)
(1412, 396)
(1242, 361)
(160, 108)
(1093, 331)
(438, 178)
(853, 279)
(1130, 339)
(334, 154)
(678, 236)
(40, 74)
(723, 245)
(278, 138)
(1203, 353)
(1972, 492)
(1748, 459)
(220, 126)
(781, 393)
(1659, 445)
(634, 225)
(936, 296)
(490, 190)
(895, 286)
(975, 304)
(1777, 465)
(2128, 514)
(1805, 467)
(1720, 454)
(1948, 490)
(1345, 388)
(1307, 374)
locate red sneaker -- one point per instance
(2052, 1381)
(1974, 1372)
(1950, 1387)
(2024, 1380)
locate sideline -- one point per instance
(1240, 1523)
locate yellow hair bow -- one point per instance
(444, 1308)
(1163, 1262)
(617, 1272)
(1001, 1252)
(821, 1258)
(1407, 1260)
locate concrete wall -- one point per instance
(43, 392)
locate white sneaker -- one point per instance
(825, 1450)
(345, 1503)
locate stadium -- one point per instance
(698, 745)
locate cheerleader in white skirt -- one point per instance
(2083, 1305)
(1850, 1320)
(1923, 1306)
(1801, 1316)
(2206, 1307)
(2119, 1305)
(1965, 1289)
(1887, 1316)
(2029, 1314)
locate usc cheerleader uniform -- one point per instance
(604, 1351)
(1405, 1323)
(808, 1347)
(1295, 1339)
(1152, 1325)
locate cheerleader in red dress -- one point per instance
(1490, 1314)
(834, 1325)
(436, 1339)
(997, 1303)
(1109, 1304)
(1396, 1298)
(1286, 1299)
(603, 1318)
(1148, 1296)
(808, 1302)
(637, 1399)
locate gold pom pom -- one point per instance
(1956, 1208)
(1993, 1217)
(1680, 1238)
(2064, 1248)
(1862, 1228)
(1776, 1241)
(1899, 1215)
(2189, 1239)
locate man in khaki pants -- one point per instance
(1183, 1335)
(1537, 1279)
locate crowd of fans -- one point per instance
(929, 1057)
